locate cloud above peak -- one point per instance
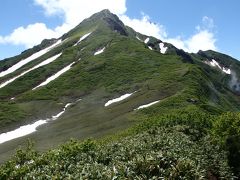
(73, 12)
(202, 39)
(28, 36)
(145, 26)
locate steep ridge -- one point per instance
(121, 77)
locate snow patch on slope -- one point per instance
(125, 96)
(49, 60)
(29, 59)
(82, 38)
(138, 38)
(30, 128)
(162, 48)
(149, 47)
(20, 132)
(226, 70)
(99, 51)
(62, 112)
(147, 105)
(146, 40)
(55, 76)
(214, 63)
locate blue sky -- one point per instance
(190, 25)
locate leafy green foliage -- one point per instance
(226, 129)
(155, 153)
(226, 125)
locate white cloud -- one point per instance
(207, 23)
(177, 41)
(145, 26)
(74, 11)
(1, 39)
(203, 39)
(29, 36)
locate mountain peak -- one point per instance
(102, 20)
(105, 12)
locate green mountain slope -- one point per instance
(106, 60)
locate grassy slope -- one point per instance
(149, 75)
(154, 148)
(187, 93)
(181, 123)
(126, 65)
(123, 67)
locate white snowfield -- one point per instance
(99, 51)
(214, 63)
(138, 38)
(226, 70)
(20, 132)
(147, 105)
(55, 76)
(49, 60)
(29, 59)
(162, 48)
(147, 40)
(125, 96)
(62, 112)
(30, 128)
(82, 38)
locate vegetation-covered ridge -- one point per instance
(191, 133)
(182, 145)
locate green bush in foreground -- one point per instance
(153, 154)
(226, 130)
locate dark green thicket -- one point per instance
(226, 130)
(157, 152)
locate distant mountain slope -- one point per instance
(67, 82)
(119, 68)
